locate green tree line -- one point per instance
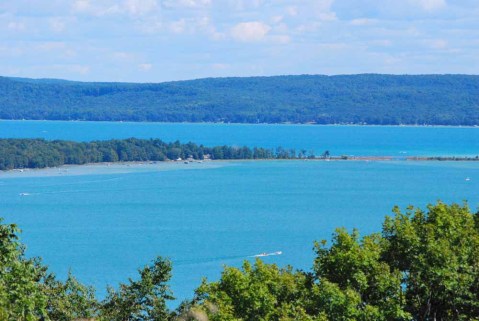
(347, 99)
(40, 153)
(423, 265)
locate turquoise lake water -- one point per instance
(105, 222)
(339, 140)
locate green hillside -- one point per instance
(358, 99)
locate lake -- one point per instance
(104, 222)
(339, 140)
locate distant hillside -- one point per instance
(358, 99)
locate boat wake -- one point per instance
(206, 260)
(221, 258)
(267, 254)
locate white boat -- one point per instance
(268, 254)
(24, 194)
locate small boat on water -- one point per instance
(24, 194)
(268, 254)
(467, 179)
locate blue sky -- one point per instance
(162, 40)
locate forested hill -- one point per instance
(358, 99)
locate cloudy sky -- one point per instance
(161, 40)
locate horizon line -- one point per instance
(241, 77)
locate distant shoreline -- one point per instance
(233, 123)
(123, 167)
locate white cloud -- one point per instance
(327, 16)
(98, 36)
(203, 22)
(437, 44)
(240, 5)
(139, 7)
(145, 67)
(334, 46)
(11, 51)
(205, 25)
(125, 7)
(308, 27)
(391, 60)
(51, 46)
(430, 5)
(186, 3)
(362, 22)
(178, 26)
(151, 26)
(57, 24)
(59, 48)
(381, 43)
(252, 31)
(86, 7)
(395, 9)
(197, 25)
(81, 5)
(16, 26)
(281, 39)
(277, 19)
(323, 10)
(281, 28)
(292, 11)
(77, 68)
(122, 56)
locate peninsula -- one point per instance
(41, 153)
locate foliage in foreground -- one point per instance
(424, 265)
(28, 292)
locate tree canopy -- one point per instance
(347, 99)
(40, 153)
(423, 266)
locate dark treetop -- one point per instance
(357, 99)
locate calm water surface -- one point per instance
(104, 224)
(339, 140)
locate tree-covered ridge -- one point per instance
(355, 99)
(423, 266)
(40, 153)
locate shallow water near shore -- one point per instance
(109, 168)
(104, 222)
